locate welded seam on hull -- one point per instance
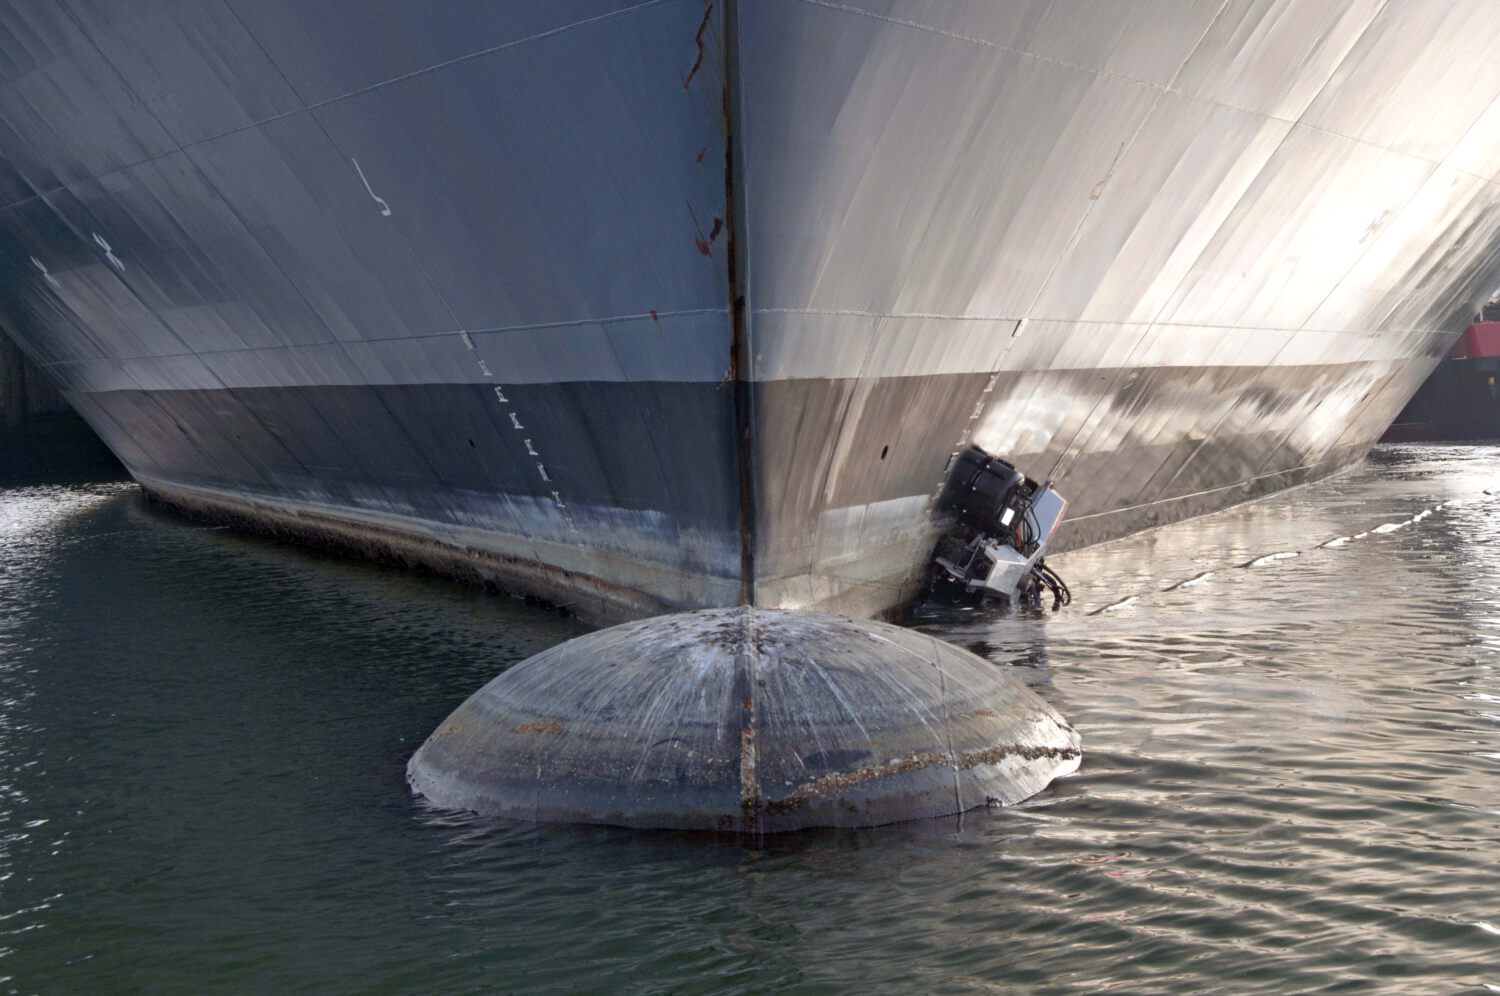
(419, 337)
(1210, 491)
(1075, 320)
(500, 396)
(502, 47)
(1492, 181)
(1134, 81)
(736, 263)
(231, 206)
(414, 74)
(986, 396)
(1125, 148)
(1384, 334)
(1285, 346)
(1012, 50)
(1380, 228)
(842, 439)
(1383, 225)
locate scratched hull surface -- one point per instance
(673, 303)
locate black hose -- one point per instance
(1066, 592)
(1048, 578)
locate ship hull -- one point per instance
(646, 306)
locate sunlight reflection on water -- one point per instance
(1291, 777)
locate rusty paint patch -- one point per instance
(687, 81)
(995, 755)
(833, 784)
(1098, 190)
(749, 797)
(654, 317)
(718, 226)
(844, 780)
(542, 726)
(701, 153)
(599, 600)
(987, 714)
(700, 240)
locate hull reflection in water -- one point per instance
(675, 304)
(1290, 785)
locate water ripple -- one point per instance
(1290, 778)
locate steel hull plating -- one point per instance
(643, 306)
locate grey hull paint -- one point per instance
(290, 258)
(664, 534)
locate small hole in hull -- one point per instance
(883, 451)
(471, 442)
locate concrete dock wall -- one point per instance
(42, 440)
(25, 392)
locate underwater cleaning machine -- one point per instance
(1005, 522)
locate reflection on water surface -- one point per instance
(1292, 778)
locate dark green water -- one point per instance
(1292, 777)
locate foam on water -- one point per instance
(1123, 603)
(1192, 582)
(1272, 558)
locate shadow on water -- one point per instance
(55, 449)
(1290, 779)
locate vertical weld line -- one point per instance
(937, 662)
(1125, 150)
(750, 801)
(739, 347)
